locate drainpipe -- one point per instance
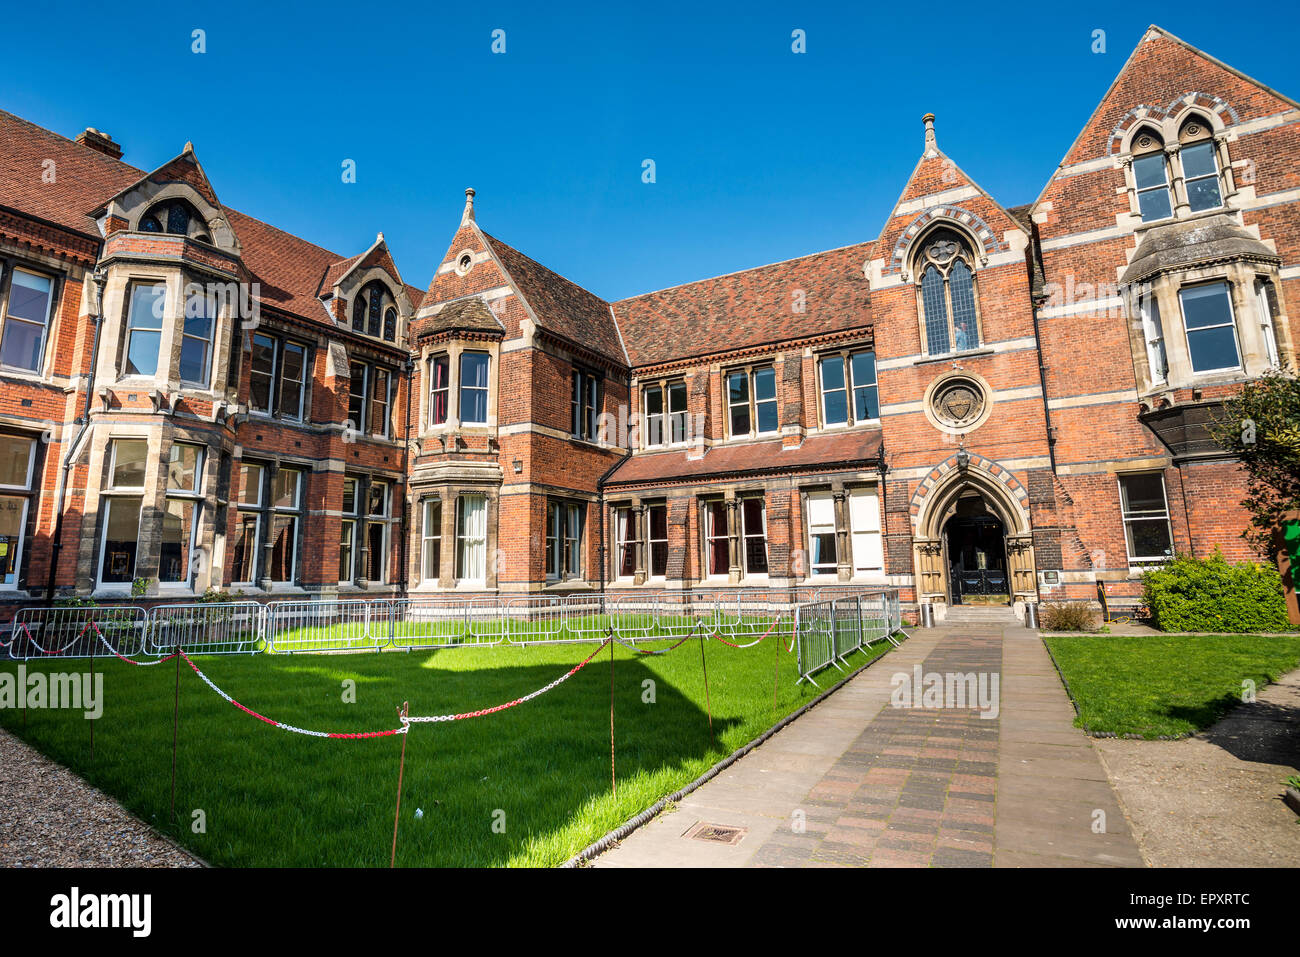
(1036, 297)
(406, 483)
(98, 278)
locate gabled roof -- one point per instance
(812, 295)
(561, 307)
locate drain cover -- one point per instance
(717, 833)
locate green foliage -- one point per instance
(74, 601)
(213, 596)
(1213, 595)
(1068, 616)
(140, 587)
(1261, 425)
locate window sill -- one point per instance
(950, 356)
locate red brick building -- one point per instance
(978, 404)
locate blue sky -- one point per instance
(761, 154)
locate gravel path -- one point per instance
(1214, 800)
(49, 817)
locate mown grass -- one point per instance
(541, 770)
(1156, 685)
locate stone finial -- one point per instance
(468, 215)
(931, 145)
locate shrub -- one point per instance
(1067, 616)
(1213, 595)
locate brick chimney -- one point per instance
(99, 142)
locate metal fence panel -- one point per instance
(78, 632)
(207, 628)
(298, 626)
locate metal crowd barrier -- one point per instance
(829, 622)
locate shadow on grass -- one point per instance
(491, 791)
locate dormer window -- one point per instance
(1151, 176)
(1200, 166)
(177, 217)
(946, 292)
(374, 312)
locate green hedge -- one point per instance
(1212, 595)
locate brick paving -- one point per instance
(859, 783)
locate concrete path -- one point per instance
(1215, 800)
(857, 782)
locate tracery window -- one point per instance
(946, 281)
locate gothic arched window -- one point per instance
(946, 280)
(374, 312)
(1197, 152)
(177, 217)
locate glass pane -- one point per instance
(183, 468)
(1154, 204)
(349, 496)
(250, 484)
(13, 512)
(379, 403)
(737, 388)
(1206, 305)
(677, 397)
(740, 419)
(1212, 349)
(142, 352)
(356, 396)
(764, 383)
(658, 521)
(284, 547)
(1142, 493)
(659, 559)
(29, 297)
(866, 404)
(962, 287)
(377, 564)
(194, 360)
(21, 343)
(836, 407)
(473, 405)
(1149, 538)
(474, 370)
(148, 303)
(177, 535)
(284, 488)
(823, 552)
(262, 368)
(767, 421)
(121, 533)
(864, 366)
(377, 501)
(347, 532)
(293, 361)
(1198, 160)
(242, 564)
(833, 373)
(1203, 194)
(1149, 170)
(936, 312)
(15, 460)
(129, 457)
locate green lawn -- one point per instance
(1160, 685)
(272, 798)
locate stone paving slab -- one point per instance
(859, 783)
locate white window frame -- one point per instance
(622, 541)
(379, 518)
(867, 540)
(1154, 335)
(295, 512)
(45, 324)
(211, 311)
(746, 534)
(1230, 323)
(434, 389)
(348, 518)
(667, 415)
(255, 509)
(711, 535)
(471, 538)
(427, 536)
(1264, 307)
(462, 388)
(26, 489)
(112, 494)
(194, 496)
(1141, 561)
(131, 327)
(651, 541)
(850, 388)
(820, 528)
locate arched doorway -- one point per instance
(975, 547)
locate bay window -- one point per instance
(26, 320)
(123, 500)
(1267, 311)
(196, 338)
(473, 400)
(1153, 333)
(1210, 326)
(144, 322)
(439, 388)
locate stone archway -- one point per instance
(971, 489)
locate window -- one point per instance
(431, 540)
(377, 532)
(625, 541)
(753, 528)
(123, 499)
(665, 425)
(277, 377)
(439, 388)
(1151, 177)
(860, 385)
(474, 388)
(177, 217)
(947, 294)
(17, 460)
(824, 557)
(1153, 332)
(26, 320)
(196, 339)
(751, 401)
(144, 323)
(286, 509)
(1200, 166)
(369, 398)
(585, 405)
(471, 538)
(374, 311)
(248, 524)
(348, 532)
(864, 522)
(1211, 332)
(717, 541)
(180, 513)
(1267, 310)
(563, 540)
(1146, 518)
(657, 539)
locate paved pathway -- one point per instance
(857, 782)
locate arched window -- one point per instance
(1200, 165)
(374, 312)
(1151, 176)
(177, 217)
(947, 293)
